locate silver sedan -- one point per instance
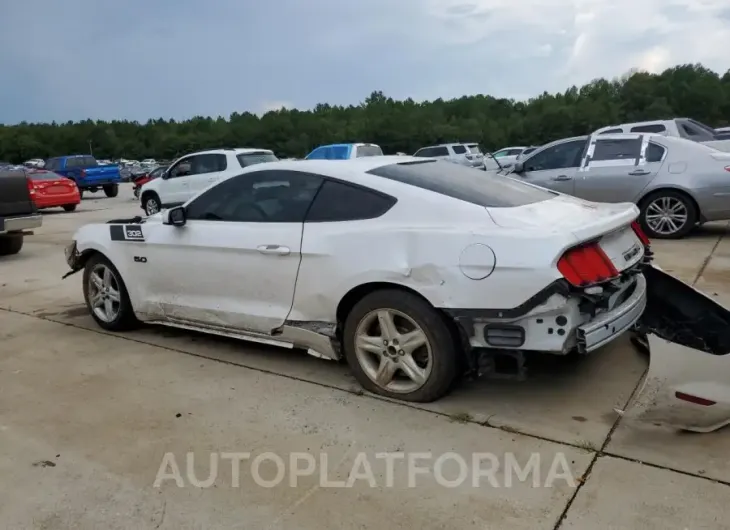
(676, 183)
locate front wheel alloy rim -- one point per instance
(393, 351)
(152, 207)
(666, 215)
(104, 297)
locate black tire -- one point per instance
(125, 319)
(81, 194)
(147, 199)
(136, 193)
(684, 199)
(111, 190)
(69, 207)
(10, 244)
(445, 357)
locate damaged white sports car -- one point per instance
(413, 270)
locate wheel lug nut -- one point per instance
(385, 342)
(401, 352)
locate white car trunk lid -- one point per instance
(610, 224)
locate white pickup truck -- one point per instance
(678, 127)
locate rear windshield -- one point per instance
(368, 150)
(474, 149)
(464, 183)
(249, 159)
(86, 161)
(44, 175)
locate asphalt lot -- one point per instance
(86, 418)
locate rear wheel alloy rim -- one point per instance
(152, 207)
(104, 297)
(666, 215)
(393, 351)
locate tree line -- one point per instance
(683, 91)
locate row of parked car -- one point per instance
(676, 171)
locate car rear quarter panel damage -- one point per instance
(339, 257)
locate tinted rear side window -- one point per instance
(459, 149)
(613, 131)
(464, 183)
(368, 150)
(617, 149)
(337, 201)
(249, 159)
(654, 153)
(656, 128)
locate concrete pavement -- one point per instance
(109, 405)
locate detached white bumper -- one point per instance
(608, 326)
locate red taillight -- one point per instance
(586, 265)
(727, 168)
(640, 233)
(31, 185)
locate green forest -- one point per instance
(683, 91)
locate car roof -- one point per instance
(353, 170)
(236, 151)
(356, 144)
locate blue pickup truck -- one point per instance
(88, 175)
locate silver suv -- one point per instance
(464, 154)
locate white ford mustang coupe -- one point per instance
(413, 270)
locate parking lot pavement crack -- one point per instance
(598, 454)
(707, 260)
(358, 393)
(162, 513)
(665, 468)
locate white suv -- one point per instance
(192, 173)
(464, 154)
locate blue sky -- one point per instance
(135, 59)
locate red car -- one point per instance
(50, 190)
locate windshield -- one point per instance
(464, 183)
(368, 150)
(474, 149)
(258, 157)
(703, 126)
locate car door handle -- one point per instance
(563, 177)
(277, 250)
(639, 172)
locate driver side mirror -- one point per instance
(518, 167)
(174, 216)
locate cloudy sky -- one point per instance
(137, 59)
